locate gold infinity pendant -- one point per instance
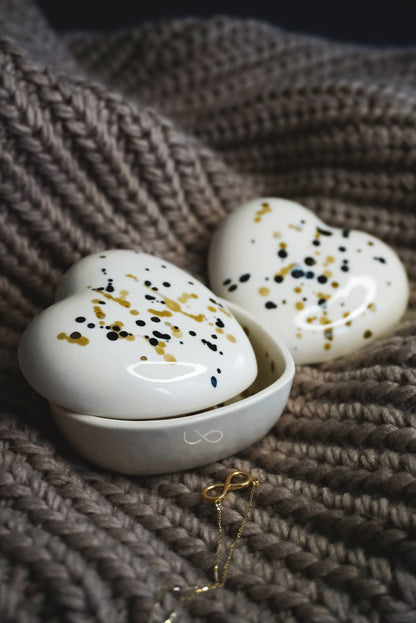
(228, 486)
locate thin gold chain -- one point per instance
(190, 592)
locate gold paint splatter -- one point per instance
(327, 274)
(283, 245)
(132, 277)
(143, 358)
(174, 306)
(231, 338)
(211, 308)
(98, 312)
(176, 332)
(160, 350)
(120, 300)
(285, 270)
(335, 284)
(321, 295)
(367, 334)
(295, 227)
(224, 311)
(263, 291)
(184, 298)
(299, 335)
(324, 320)
(134, 312)
(160, 314)
(328, 334)
(219, 330)
(298, 290)
(264, 210)
(299, 305)
(329, 260)
(311, 319)
(277, 234)
(74, 338)
(327, 345)
(372, 307)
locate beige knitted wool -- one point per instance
(145, 139)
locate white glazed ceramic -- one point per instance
(134, 337)
(168, 445)
(324, 291)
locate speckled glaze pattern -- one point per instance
(324, 291)
(135, 337)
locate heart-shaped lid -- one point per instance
(324, 291)
(135, 337)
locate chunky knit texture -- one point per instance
(145, 139)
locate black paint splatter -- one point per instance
(324, 232)
(209, 344)
(161, 336)
(244, 277)
(297, 273)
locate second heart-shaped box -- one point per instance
(324, 291)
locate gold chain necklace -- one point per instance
(236, 480)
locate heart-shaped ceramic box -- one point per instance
(158, 446)
(135, 358)
(324, 291)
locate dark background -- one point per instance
(372, 23)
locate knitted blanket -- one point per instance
(146, 139)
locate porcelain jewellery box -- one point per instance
(147, 371)
(324, 291)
